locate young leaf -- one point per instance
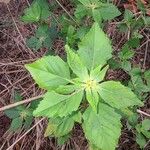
(16, 124)
(32, 14)
(17, 96)
(97, 74)
(126, 65)
(126, 53)
(28, 122)
(12, 113)
(97, 15)
(34, 42)
(44, 37)
(134, 42)
(80, 11)
(145, 129)
(61, 126)
(93, 98)
(45, 13)
(55, 104)
(128, 16)
(39, 10)
(61, 140)
(102, 127)
(109, 11)
(117, 95)
(140, 139)
(49, 72)
(76, 64)
(66, 89)
(64, 127)
(95, 48)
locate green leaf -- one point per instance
(147, 21)
(76, 64)
(12, 113)
(81, 32)
(49, 72)
(55, 104)
(98, 74)
(147, 77)
(141, 6)
(137, 81)
(89, 3)
(45, 13)
(126, 53)
(145, 128)
(17, 96)
(80, 11)
(102, 127)
(32, 14)
(63, 139)
(140, 139)
(95, 48)
(117, 95)
(128, 16)
(33, 42)
(67, 89)
(109, 11)
(77, 117)
(97, 15)
(16, 124)
(64, 127)
(93, 98)
(28, 122)
(93, 147)
(126, 65)
(123, 27)
(60, 126)
(134, 42)
(39, 10)
(44, 37)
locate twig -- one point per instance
(20, 103)
(144, 113)
(19, 30)
(66, 12)
(145, 56)
(22, 62)
(1, 93)
(10, 147)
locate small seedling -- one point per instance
(21, 116)
(43, 38)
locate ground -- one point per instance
(14, 53)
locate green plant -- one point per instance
(21, 116)
(46, 33)
(80, 94)
(143, 133)
(98, 10)
(132, 23)
(43, 38)
(38, 11)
